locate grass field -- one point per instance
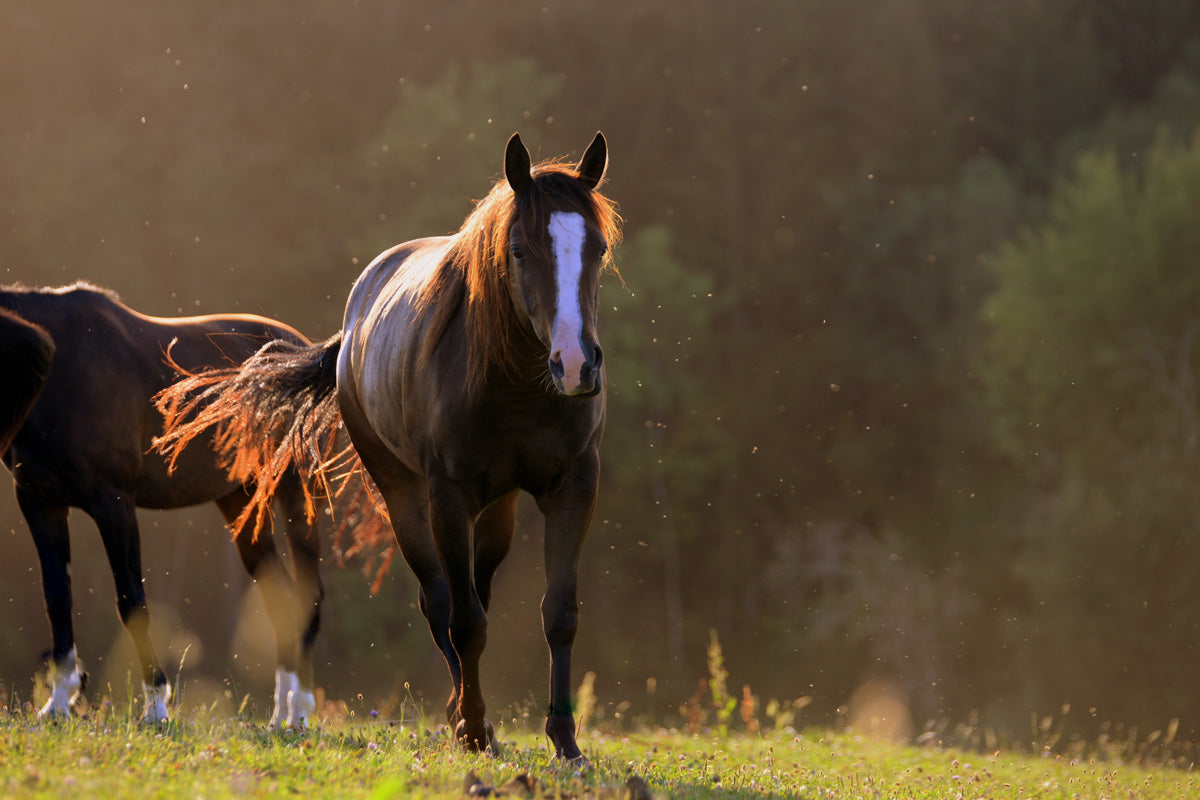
(108, 755)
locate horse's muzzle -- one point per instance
(586, 382)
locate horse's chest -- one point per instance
(500, 456)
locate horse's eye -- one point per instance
(517, 252)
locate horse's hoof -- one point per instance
(155, 711)
(67, 682)
(52, 716)
(301, 707)
(560, 729)
(57, 708)
(294, 705)
(579, 763)
(477, 741)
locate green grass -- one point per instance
(108, 755)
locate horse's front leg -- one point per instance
(568, 513)
(48, 525)
(450, 518)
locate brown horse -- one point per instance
(467, 369)
(85, 445)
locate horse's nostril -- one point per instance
(592, 365)
(556, 366)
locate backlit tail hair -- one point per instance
(275, 412)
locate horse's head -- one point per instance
(556, 247)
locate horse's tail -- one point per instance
(277, 410)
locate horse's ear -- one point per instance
(594, 162)
(517, 164)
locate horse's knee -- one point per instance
(434, 603)
(133, 611)
(256, 553)
(468, 630)
(56, 589)
(313, 625)
(560, 621)
(58, 603)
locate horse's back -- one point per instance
(94, 422)
(103, 344)
(217, 340)
(394, 282)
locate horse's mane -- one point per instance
(20, 288)
(475, 272)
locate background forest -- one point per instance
(902, 361)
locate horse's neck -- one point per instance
(13, 300)
(25, 302)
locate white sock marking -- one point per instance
(64, 688)
(155, 711)
(285, 683)
(301, 705)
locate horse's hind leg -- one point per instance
(265, 567)
(116, 518)
(406, 496)
(48, 525)
(408, 510)
(305, 545)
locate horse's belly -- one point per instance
(195, 480)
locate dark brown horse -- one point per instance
(85, 444)
(467, 369)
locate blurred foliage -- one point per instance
(1093, 362)
(900, 352)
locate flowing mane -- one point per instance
(476, 269)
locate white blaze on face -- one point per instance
(568, 233)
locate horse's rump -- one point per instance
(275, 412)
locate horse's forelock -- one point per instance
(556, 187)
(479, 259)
